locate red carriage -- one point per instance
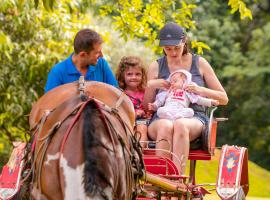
(160, 177)
(164, 179)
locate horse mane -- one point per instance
(93, 174)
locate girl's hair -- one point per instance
(186, 47)
(125, 63)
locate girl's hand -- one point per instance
(148, 115)
(158, 84)
(193, 88)
(140, 113)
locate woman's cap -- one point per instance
(171, 35)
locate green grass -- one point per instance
(259, 178)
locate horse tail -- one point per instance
(93, 174)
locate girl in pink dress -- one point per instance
(131, 77)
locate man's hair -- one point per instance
(85, 39)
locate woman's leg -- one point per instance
(161, 130)
(185, 130)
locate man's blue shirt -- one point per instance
(66, 72)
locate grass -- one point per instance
(259, 178)
(215, 197)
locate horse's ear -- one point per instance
(84, 97)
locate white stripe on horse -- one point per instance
(51, 158)
(74, 189)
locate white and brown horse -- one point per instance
(84, 146)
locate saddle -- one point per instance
(107, 94)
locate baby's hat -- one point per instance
(187, 74)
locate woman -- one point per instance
(176, 135)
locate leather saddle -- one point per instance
(107, 94)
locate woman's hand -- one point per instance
(158, 84)
(194, 88)
(215, 102)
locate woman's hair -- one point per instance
(128, 62)
(186, 47)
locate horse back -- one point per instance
(105, 93)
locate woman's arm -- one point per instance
(215, 90)
(153, 83)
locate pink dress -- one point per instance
(136, 98)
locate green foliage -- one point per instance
(240, 56)
(139, 18)
(199, 46)
(241, 6)
(31, 42)
(143, 18)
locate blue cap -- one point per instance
(171, 35)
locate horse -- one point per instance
(84, 145)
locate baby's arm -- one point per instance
(160, 100)
(203, 101)
(207, 102)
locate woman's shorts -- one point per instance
(199, 115)
(142, 121)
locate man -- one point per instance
(87, 60)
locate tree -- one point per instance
(143, 18)
(239, 55)
(31, 42)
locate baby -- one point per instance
(174, 103)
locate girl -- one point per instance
(131, 77)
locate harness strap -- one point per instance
(111, 128)
(40, 126)
(120, 100)
(45, 140)
(72, 124)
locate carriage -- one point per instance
(129, 172)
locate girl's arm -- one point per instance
(153, 83)
(215, 90)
